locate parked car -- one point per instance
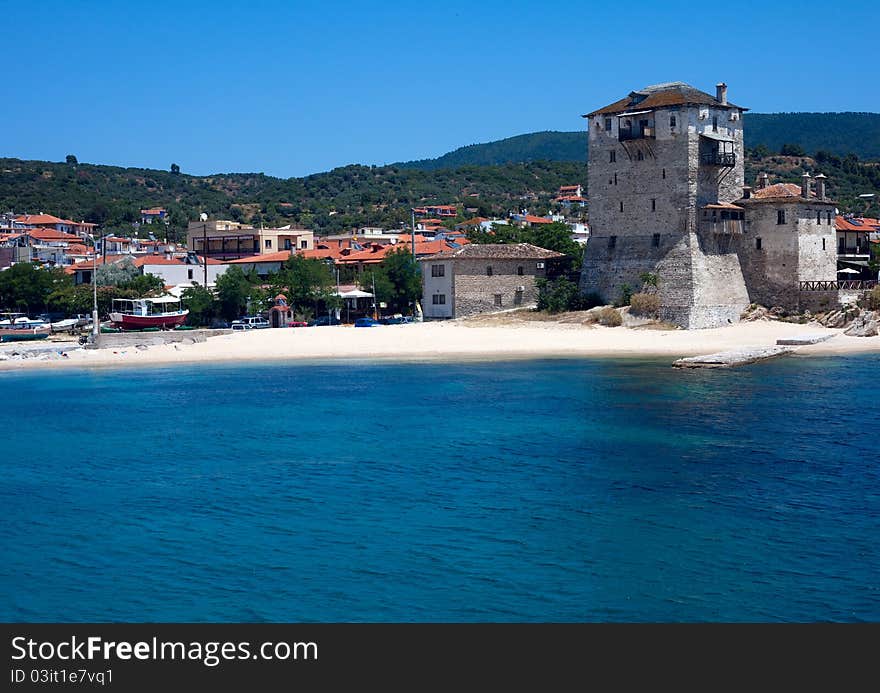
(366, 322)
(250, 322)
(324, 320)
(397, 319)
(297, 323)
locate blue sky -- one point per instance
(292, 88)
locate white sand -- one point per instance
(457, 340)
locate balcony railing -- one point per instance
(639, 134)
(847, 284)
(727, 226)
(719, 159)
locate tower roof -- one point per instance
(663, 95)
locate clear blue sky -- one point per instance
(291, 88)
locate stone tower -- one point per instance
(658, 159)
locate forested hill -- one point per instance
(836, 133)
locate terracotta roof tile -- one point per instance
(500, 251)
(660, 96)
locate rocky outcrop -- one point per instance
(865, 325)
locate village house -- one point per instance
(231, 240)
(32, 221)
(479, 278)
(436, 211)
(855, 238)
(570, 196)
(148, 216)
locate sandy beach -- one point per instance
(452, 340)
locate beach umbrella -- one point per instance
(847, 270)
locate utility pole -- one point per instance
(205, 250)
(413, 237)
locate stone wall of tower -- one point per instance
(660, 183)
(798, 250)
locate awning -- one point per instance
(633, 113)
(716, 137)
(163, 299)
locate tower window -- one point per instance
(672, 121)
(519, 270)
(655, 240)
(489, 271)
(615, 179)
(653, 205)
(780, 216)
(819, 217)
(757, 244)
(612, 241)
(612, 156)
(664, 174)
(823, 244)
(608, 125)
(621, 205)
(829, 217)
(714, 123)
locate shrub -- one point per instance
(610, 317)
(874, 298)
(562, 295)
(646, 305)
(626, 293)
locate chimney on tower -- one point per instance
(747, 192)
(762, 181)
(805, 186)
(721, 93)
(820, 186)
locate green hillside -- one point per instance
(838, 133)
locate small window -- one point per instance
(621, 205)
(612, 241)
(439, 299)
(664, 174)
(489, 271)
(823, 244)
(819, 218)
(615, 179)
(608, 125)
(498, 300)
(780, 216)
(757, 243)
(612, 156)
(438, 270)
(287, 244)
(655, 240)
(715, 123)
(519, 270)
(640, 156)
(672, 121)
(539, 265)
(189, 274)
(303, 244)
(268, 243)
(653, 204)
(829, 216)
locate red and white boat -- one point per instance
(141, 313)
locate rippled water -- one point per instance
(561, 490)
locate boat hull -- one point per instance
(139, 322)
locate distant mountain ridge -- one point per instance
(837, 133)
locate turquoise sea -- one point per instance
(547, 490)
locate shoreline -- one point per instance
(451, 341)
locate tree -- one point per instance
(233, 290)
(71, 159)
(26, 286)
(303, 281)
(200, 302)
(400, 280)
(116, 273)
(789, 149)
(175, 169)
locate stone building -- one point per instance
(787, 245)
(657, 159)
(480, 278)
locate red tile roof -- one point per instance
(661, 95)
(51, 235)
(501, 251)
(862, 224)
(280, 256)
(537, 220)
(778, 191)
